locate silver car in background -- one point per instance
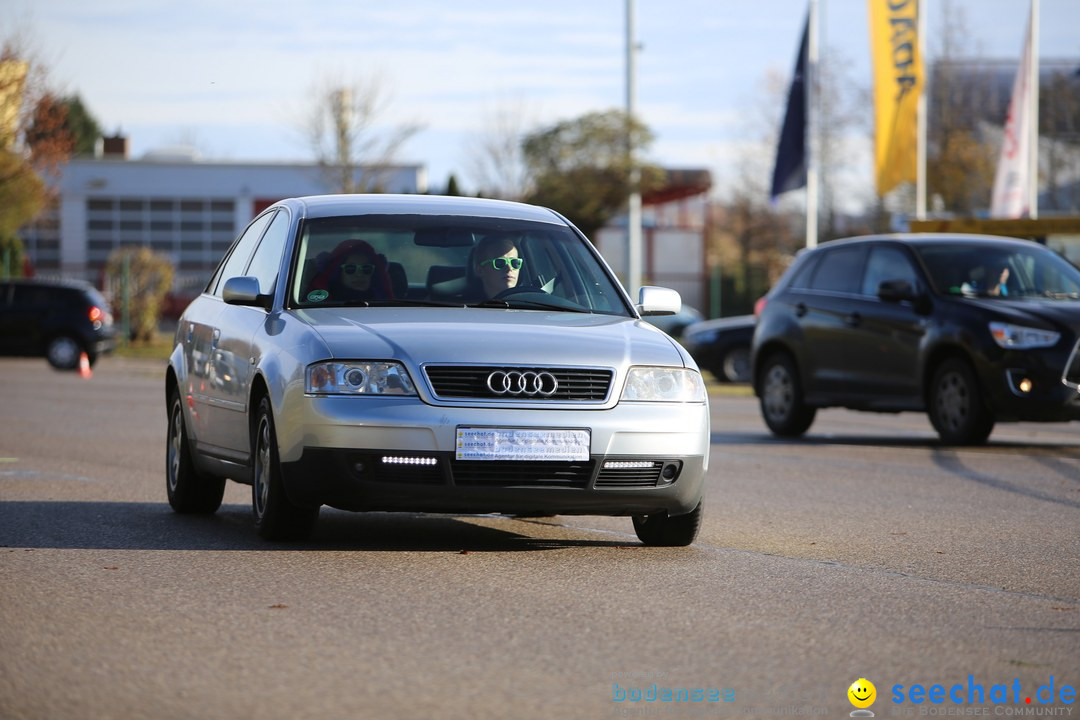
(421, 391)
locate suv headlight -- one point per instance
(358, 378)
(1018, 337)
(663, 384)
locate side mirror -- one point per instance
(245, 291)
(658, 301)
(895, 291)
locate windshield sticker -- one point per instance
(317, 295)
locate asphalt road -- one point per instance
(866, 550)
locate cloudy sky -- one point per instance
(232, 78)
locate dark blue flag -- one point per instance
(789, 172)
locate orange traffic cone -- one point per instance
(84, 366)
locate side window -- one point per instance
(839, 270)
(238, 259)
(887, 263)
(267, 259)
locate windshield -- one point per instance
(379, 260)
(1000, 271)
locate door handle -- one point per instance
(800, 309)
(853, 320)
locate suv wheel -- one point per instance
(63, 352)
(782, 405)
(276, 518)
(662, 530)
(956, 406)
(189, 490)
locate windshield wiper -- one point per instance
(529, 305)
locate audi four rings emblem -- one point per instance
(514, 382)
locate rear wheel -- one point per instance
(735, 367)
(663, 530)
(782, 405)
(189, 490)
(956, 407)
(276, 518)
(63, 352)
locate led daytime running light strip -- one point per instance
(397, 460)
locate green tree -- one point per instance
(81, 126)
(582, 168)
(452, 185)
(144, 278)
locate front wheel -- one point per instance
(276, 517)
(956, 406)
(782, 405)
(189, 491)
(663, 530)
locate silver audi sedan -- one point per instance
(431, 354)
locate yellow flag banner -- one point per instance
(898, 79)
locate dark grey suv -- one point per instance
(58, 319)
(970, 329)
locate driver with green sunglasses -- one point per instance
(497, 264)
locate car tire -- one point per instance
(781, 398)
(735, 366)
(956, 406)
(276, 517)
(63, 351)
(190, 492)
(663, 530)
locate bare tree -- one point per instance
(344, 131)
(497, 163)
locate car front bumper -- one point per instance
(399, 454)
(1035, 386)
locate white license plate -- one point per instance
(485, 443)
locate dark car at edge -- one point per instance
(972, 330)
(56, 319)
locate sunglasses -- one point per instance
(500, 263)
(350, 268)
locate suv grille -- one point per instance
(1072, 368)
(471, 382)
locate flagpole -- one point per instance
(1033, 131)
(811, 128)
(920, 142)
(633, 214)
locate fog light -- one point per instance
(628, 464)
(1019, 382)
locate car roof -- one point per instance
(931, 239)
(317, 206)
(69, 283)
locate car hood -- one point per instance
(492, 336)
(1059, 314)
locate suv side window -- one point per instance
(238, 259)
(839, 271)
(887, 263)
(267, 259)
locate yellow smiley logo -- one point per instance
(862, 693)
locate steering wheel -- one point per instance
(517, 290)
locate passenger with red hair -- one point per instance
(354, 271)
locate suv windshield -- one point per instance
(1000, 271)
(369, 260)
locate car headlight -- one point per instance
(663, 384)
(358, 378)
(1018, 337)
